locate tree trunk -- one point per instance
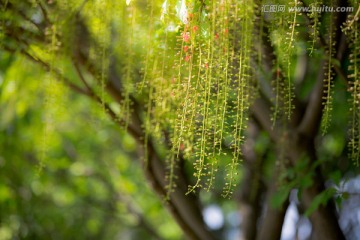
(273, 219)
(324, 220)
(184, 208)
(252, 187)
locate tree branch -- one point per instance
(273, 219)
(261, 113)
(311, 121)
(183, 207)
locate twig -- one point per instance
(311, 120)
(10, 6)
(353, 20)
(46, 17)
(261, 113)
(310, 123)
(81, 76)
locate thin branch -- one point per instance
(81, 6)
(135, 133)
(339, 55)
(81, 76)
(10, 6)
(71, 85)
(341, 48)
(311, 120)
(261, 113)
(355, 18)
(5, 4)
(122, 197)
(43, 10)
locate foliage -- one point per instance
(204, 92)
(56, 183)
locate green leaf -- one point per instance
(320, 199)
(306, 181)
(280, 197)
(338, 201)
(336, 176)
(5, 193)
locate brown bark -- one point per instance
(273, 218)
(272, 222)
(299, 144)
(249, 205)
(324, 220)
(252, 187)
(184, 208)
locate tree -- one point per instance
(213, 93)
